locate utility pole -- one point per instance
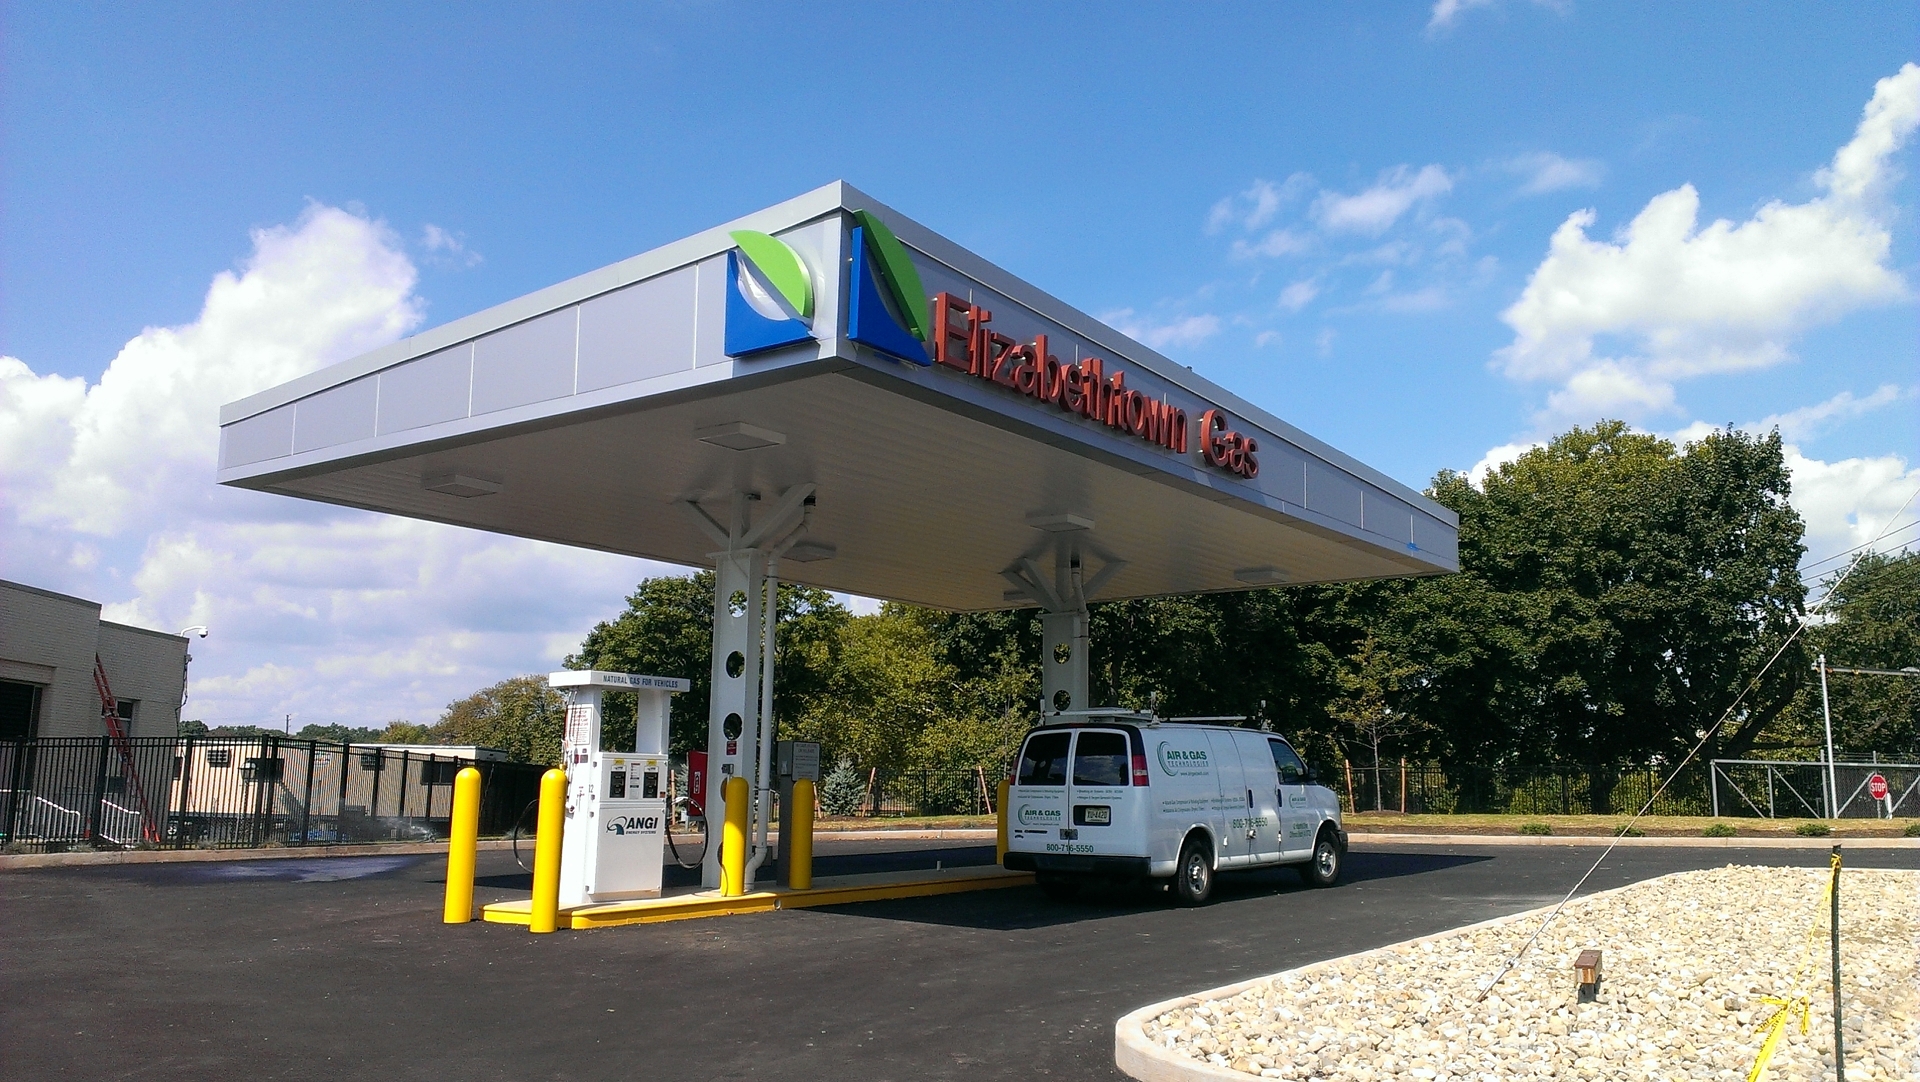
(1826, 711)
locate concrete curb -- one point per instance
(1140, 1058)
(14, 861)
(1384, 838)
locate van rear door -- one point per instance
(1107, 818)
(1037, 800)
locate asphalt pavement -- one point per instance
(338, 968)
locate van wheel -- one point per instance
(1061, 888)
(1193, 876)
(1324, 869)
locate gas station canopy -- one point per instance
(951, 421)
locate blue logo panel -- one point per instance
(868, 321)
(747, 330)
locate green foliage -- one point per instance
(1912, 831)
(191, 727)
(1628, 830)
(1719, 830)
(842, 790)
(521, 716)
(1874, 624)
(342, 734)
(406, 732)
(1813, 829)
(1536, 829)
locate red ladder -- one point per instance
(110, 713)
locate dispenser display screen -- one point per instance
(650, 785)
(617, 785)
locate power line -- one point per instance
(1804, 568)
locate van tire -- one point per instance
(1323, 868)
(1060, 888)
(1193, 873)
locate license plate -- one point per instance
(1099, 817)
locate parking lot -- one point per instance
(333, 968)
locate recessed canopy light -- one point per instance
(807, 552)
(462, 485)
(1059, 521)
(739, 436)
(1261, 576)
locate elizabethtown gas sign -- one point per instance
(770, 306)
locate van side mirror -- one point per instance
(1310, 777)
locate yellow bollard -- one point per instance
(545, 916)
(733, 839)
(463, 847)
(800, 846)
(1000, 824)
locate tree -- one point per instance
(1873, 623)
(341, 734)
(406, 732)
(1643, 586)
(521, 716)
(667, 630)
(1370, 682)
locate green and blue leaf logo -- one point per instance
(769, 294)
(888, 309)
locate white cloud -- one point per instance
(329, 614)
(1548, 172)
(1852, 501)
(1277, 243)
(1373, 210)
(1256, 206)
(1447, 12)
(448, 248)
(1687, 301)
(1805, 422)
(1187, 331)
(1299, 294)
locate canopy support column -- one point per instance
(1065, 664)
(745, 608)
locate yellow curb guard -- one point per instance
(833, 890)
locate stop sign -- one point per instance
(1877, 787)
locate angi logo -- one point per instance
(769, 294)
(889, 306)
(633, 824)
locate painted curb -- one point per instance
(1382, 837)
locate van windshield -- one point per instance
(1101, 759)
(1044, 761)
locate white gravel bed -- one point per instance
(1687, 958)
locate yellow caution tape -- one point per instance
(1776, 1024)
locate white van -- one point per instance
(1127, 796)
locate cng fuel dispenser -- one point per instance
(616, 800)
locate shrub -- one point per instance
(1913, 829)
(1719, 830)
(1813, 830)
(1537, 829)
(842, 791)
(1628, 830)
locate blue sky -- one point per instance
(1334, 212)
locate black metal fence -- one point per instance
(64, 793)
(1425, 788)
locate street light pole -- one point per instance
(1826, 711)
